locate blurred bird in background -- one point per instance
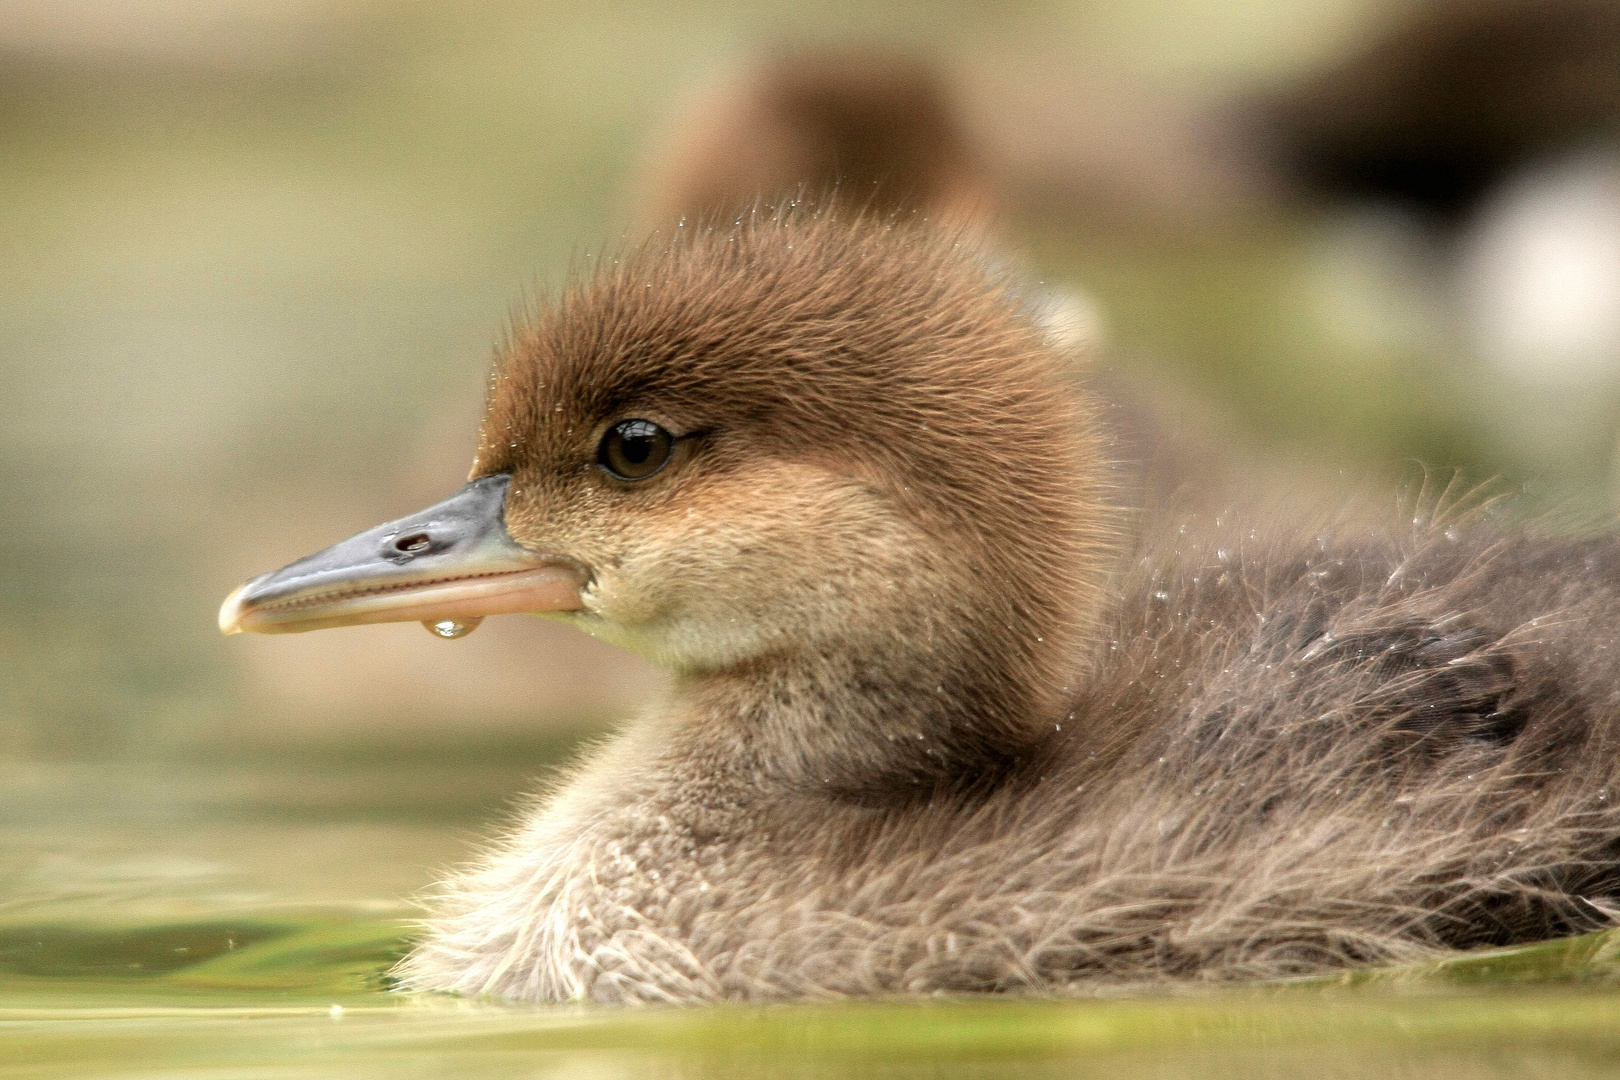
(1482, 137)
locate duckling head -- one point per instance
(833, 461)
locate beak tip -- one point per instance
(230, 612)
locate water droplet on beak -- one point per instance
(451, 628)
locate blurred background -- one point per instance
(254, 255)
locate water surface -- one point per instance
(239, 922)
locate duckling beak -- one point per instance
(453, 561)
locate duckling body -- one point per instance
(1298, 758)
(940, 722)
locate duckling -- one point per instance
(1476, 145)
(875, 128)
(1448, 100)
(938, 721)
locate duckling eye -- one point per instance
(635, 449)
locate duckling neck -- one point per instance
(856, 727)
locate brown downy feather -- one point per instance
(938, 726)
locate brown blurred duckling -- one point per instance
(876, 129)
(935, 726)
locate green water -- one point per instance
(236, 922)
(301, 994)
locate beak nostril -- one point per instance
(413, 543)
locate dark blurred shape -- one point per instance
(876, 127)
(1449, 99)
